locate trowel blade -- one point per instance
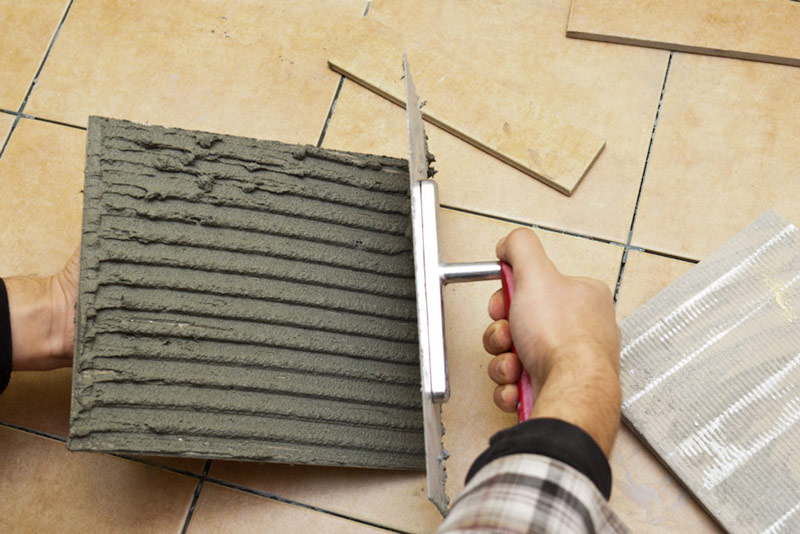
(435, 455)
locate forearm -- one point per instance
(584, 392)
(40, 322)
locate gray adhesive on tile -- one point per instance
(245, 299)
(710, 375)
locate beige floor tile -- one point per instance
(27, 28)
(647, 498)
(6, 121)
(221, 509)
(246, 68)
(48, 490)
(645, 275)
(644, 494)
(610, 90)
(725, 150)
(397, 499)
(38, 400)
(40, 208)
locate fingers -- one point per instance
(505, 397)
(497, 305)
(497, 337)
(505, 369)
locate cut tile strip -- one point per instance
(245, 299)
(470, 106)
(759, 30)
(709, 374)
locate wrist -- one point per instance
(586, 393)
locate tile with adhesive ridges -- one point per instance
(469, 105)
(610, 90)
(708, 367)
(398, 500)
(48, 490)
(760, 30)
(222, 509)
(645, 495)
(242, 68)
(725, 150)
(245, 299)
(27, 29)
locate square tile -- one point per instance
(248, 301)
(254, 69)
(725, 150)
(49, 490)
(27, 29)
(396, 499)
(708, 373)
(644, 494)
(612, 91)
(222, 509)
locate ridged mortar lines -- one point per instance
(245, 299)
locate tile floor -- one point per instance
(701, 145)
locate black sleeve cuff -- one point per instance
(5, 338)
(556, 439)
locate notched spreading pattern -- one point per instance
(245, 299)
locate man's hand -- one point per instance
(566, 335)
(42, 313)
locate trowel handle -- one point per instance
(524, 385)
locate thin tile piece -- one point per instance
(710, 369)
(759, 30)
(245, 299)
(470, 106)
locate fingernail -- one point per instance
(500, 370)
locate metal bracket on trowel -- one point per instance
(431, 276)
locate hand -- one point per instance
(42, 311)
(566, 336)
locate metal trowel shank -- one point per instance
(431, 275)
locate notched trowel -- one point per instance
(431, 276)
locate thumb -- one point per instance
(524, 252)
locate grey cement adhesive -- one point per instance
(245, 299)
(710, 374)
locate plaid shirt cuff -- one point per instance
(523, 493)
(556, 439)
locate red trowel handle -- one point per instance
(524, 385)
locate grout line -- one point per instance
(52, 121)
(665, 255)
(336, 94)
(7, 111)
(45, 57)
(330, 112)
(641, 182)
(284, 500)
(535, 226)
(36, 78)
(34, 432)
(156, 465)
(196, 496)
